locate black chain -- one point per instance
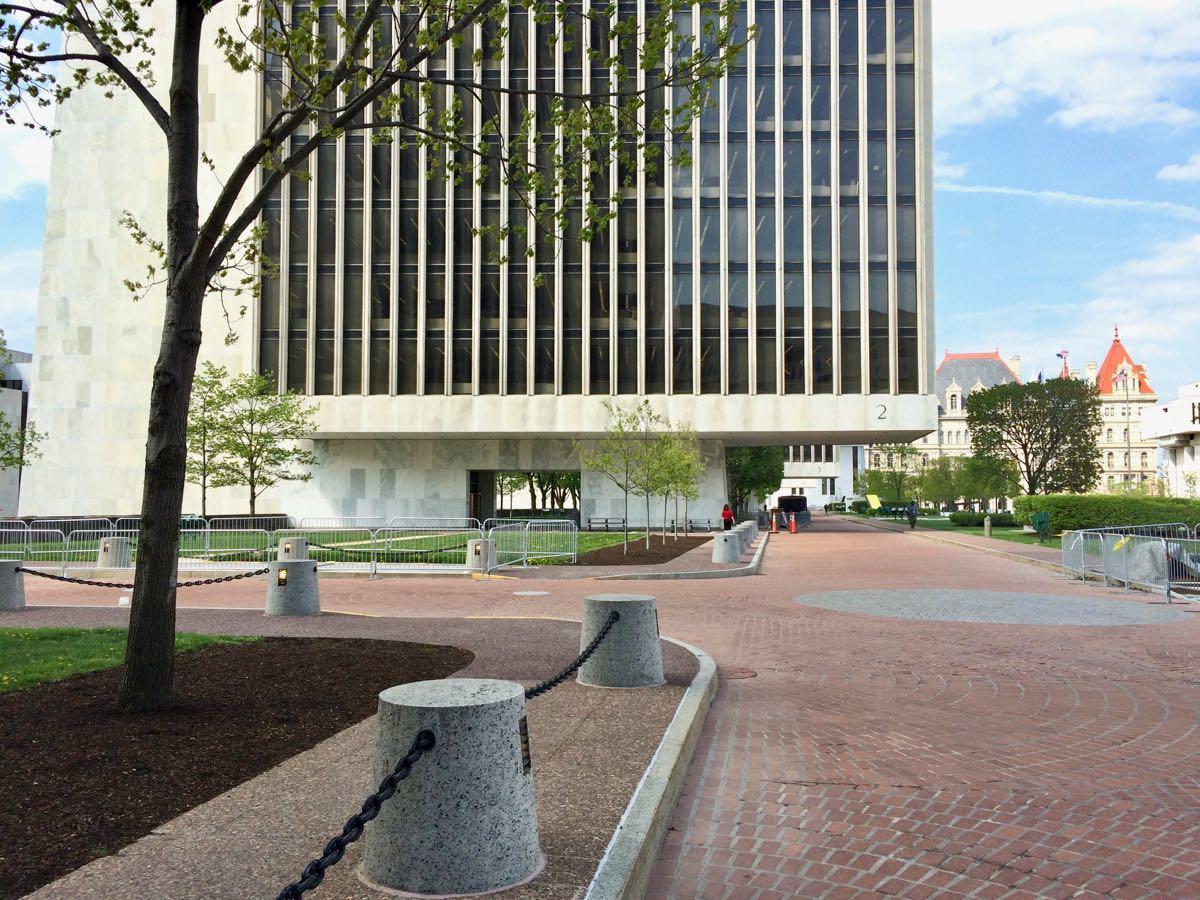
(314, 872)
(112, 584)
(538, 689)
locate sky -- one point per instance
(1067, 185)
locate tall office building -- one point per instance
(777, 291)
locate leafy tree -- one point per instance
(651, 471)
(1048, 430)
(618, 455)
(256, 440)
(210, 401)
(753, 472)
(684, 467)
(892, 471)
(983, 479)
(940, 482)
(325, 76)
(18, 444)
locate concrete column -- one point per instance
(727, 548)
(987, 526)
(630, 657)
(293, 548)
(12, 585)
(464, 821)
(481, 555)
(292, 588)
(114, 553)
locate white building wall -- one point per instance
(10, 479)
(1176, 428)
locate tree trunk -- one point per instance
(148, 682)
(625, 548)
(648, 525)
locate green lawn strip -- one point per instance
(30, 656)
(938, 523)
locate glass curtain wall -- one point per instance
(784, 260)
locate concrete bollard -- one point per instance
(465, 821)
(481, 555)
(987, 526)
(113, 553)
(12, 585)
(292, 588)
(727, 548)
(743, 532)
(293, 548)
(630, 657)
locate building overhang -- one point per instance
(763, 420)
(1177, 422)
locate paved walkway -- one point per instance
(876, 754)
(993, 545)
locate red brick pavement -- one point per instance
(874, 756)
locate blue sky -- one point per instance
(1068, 172)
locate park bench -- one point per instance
(607, 523)
(690, 525)
(1041, 524)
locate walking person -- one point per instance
(727, 517)
(912, 514)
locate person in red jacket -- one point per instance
(727, 517)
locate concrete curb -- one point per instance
(624, 870)
(751, 568)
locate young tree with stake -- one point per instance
(365, 73)
(206, 419)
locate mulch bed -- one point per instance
(80, 780)
(638, 554)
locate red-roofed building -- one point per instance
(1126, 457)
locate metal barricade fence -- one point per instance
(67, 524)
(210, 548)
(268, 524)
(13, 525)
(41, 547)
(407, 547)
(344, 549)
(82, 547)
(552, 540)
(342, 522)
(1159, 557)
(512, 545)
(435, 522)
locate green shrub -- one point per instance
(1071, 512)
(859, 506)
(975, 519)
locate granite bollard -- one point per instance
(481, 555)
(12, 585)
(727, 548)
(292, 588)
(293, 548)
(630, 656)
(464, 821)
(114, 553)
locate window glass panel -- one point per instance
(764, 235)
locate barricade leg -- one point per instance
(465, 822)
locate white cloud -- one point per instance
(20, 271)
(1157, 207)
(1155, 300)
(1188, 171)
(24, 157)
(1102, 64)
(945, 170)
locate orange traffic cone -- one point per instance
(792, 523)
(774, 525)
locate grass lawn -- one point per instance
(1013, 535)
(30, 656)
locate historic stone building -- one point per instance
(1127, 457)
(958, 376)
(778, 292)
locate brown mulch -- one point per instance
(638, 554)
(80, 780)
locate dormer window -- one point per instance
(954, 402)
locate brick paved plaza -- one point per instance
(873, 754)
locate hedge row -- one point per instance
(975, 519)
(1071, 512)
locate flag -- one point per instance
(1041, 378)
